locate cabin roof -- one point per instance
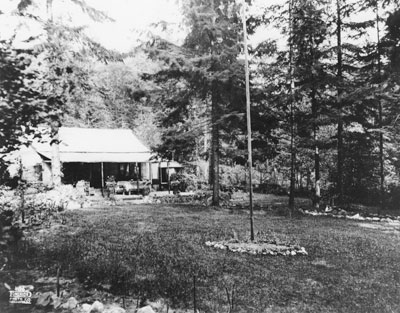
(92, 145)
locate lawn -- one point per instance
(155, 251)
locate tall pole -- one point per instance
(250, 161)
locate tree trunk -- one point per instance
(54, 125)
(292, 133)
(214, 173)
(301, 180)
(381, 159)
(49, 9)
(317, 185)
(380, 117)
(308, 180)
(339, 106)
(55, 155)
(211, 165)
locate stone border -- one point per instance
(257, 248)
(357, 216)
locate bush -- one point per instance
(184, 182)
(393, 197)
(274, 189)
(233, 178)
(35, 204)
(362, 194)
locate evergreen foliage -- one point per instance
(324, 104)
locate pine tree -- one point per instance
(208, 67)
(309, 37)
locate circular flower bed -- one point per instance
(258, 247)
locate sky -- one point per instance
(132, 21)
(134, 16)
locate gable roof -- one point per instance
(92, 145)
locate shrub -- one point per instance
(185, 181)
(34, 205)
(393, 197)
(274, 189)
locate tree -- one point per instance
(22, 107)
(55, 73)
(308, 36)
(292, 105)
(209, 70)
(65, 80)
(301, 75)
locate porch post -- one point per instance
(169, 181)
(137, 176)
(102, 177)
(159, 175)
(150, 174)
(90, 173)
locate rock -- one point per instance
(65, 294)
(45, 299)
(146, 309)
(113, 308)
(74, 205)
(355, 217)
(321, 263)
(86, 307)
(56, 302)
(97, 307)
(71, 304)
(302, 251)
(131, 308)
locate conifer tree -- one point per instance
(208, 67)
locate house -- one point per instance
(94, 155)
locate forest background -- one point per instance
(324, 87)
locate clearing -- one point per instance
(154, 251)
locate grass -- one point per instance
(155, 250)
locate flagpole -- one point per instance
(249, 149)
